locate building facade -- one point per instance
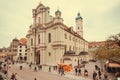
(16, 49)
(11, 51)
(22, 51)
(49, 39)
(95, 45)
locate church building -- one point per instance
(51, 42)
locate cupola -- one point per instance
(78, 16)
(58, 13)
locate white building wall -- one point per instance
(57, 39)
(22, 49)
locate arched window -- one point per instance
(49, 37)
(49, 54)
(70, 48)
(25, 53)
(38, 39)
(70, 37)
(31, 42)
(65, 48)
(39, 20)
(20, 50)
(65, 36)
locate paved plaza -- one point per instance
(28, 73)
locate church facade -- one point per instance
(51, 42)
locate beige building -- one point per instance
(50, 41)
(16, 50)
(11, 51)
(22, 51)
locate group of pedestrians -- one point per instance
(77, 71)
(97, 74)
(4, 68)
(37, 67)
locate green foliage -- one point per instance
(111, 50)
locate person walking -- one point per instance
(105, 77)
(99, 74)
(12, 76)
(62, 71)
(94, 75)
(85, 72)
(59, 69)
(96, 67)
(20, 67)
(50, 69)
(79, 71)
(76, 71)
(29, 65)
(35, 69)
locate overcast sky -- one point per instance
(101, 18)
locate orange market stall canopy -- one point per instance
(66, 67)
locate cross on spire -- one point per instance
(40, 1)
(57, 7)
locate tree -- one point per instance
(114, 39)
(111, 49)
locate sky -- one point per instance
(101, 18)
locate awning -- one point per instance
(115, 65)
(69, 53)
(67, 59)
(83, 53)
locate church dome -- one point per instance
(58, 13)
(78, 16)
(15, 39)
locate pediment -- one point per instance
(40, 6)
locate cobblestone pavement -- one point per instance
(28, 73)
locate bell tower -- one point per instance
(79, 24)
